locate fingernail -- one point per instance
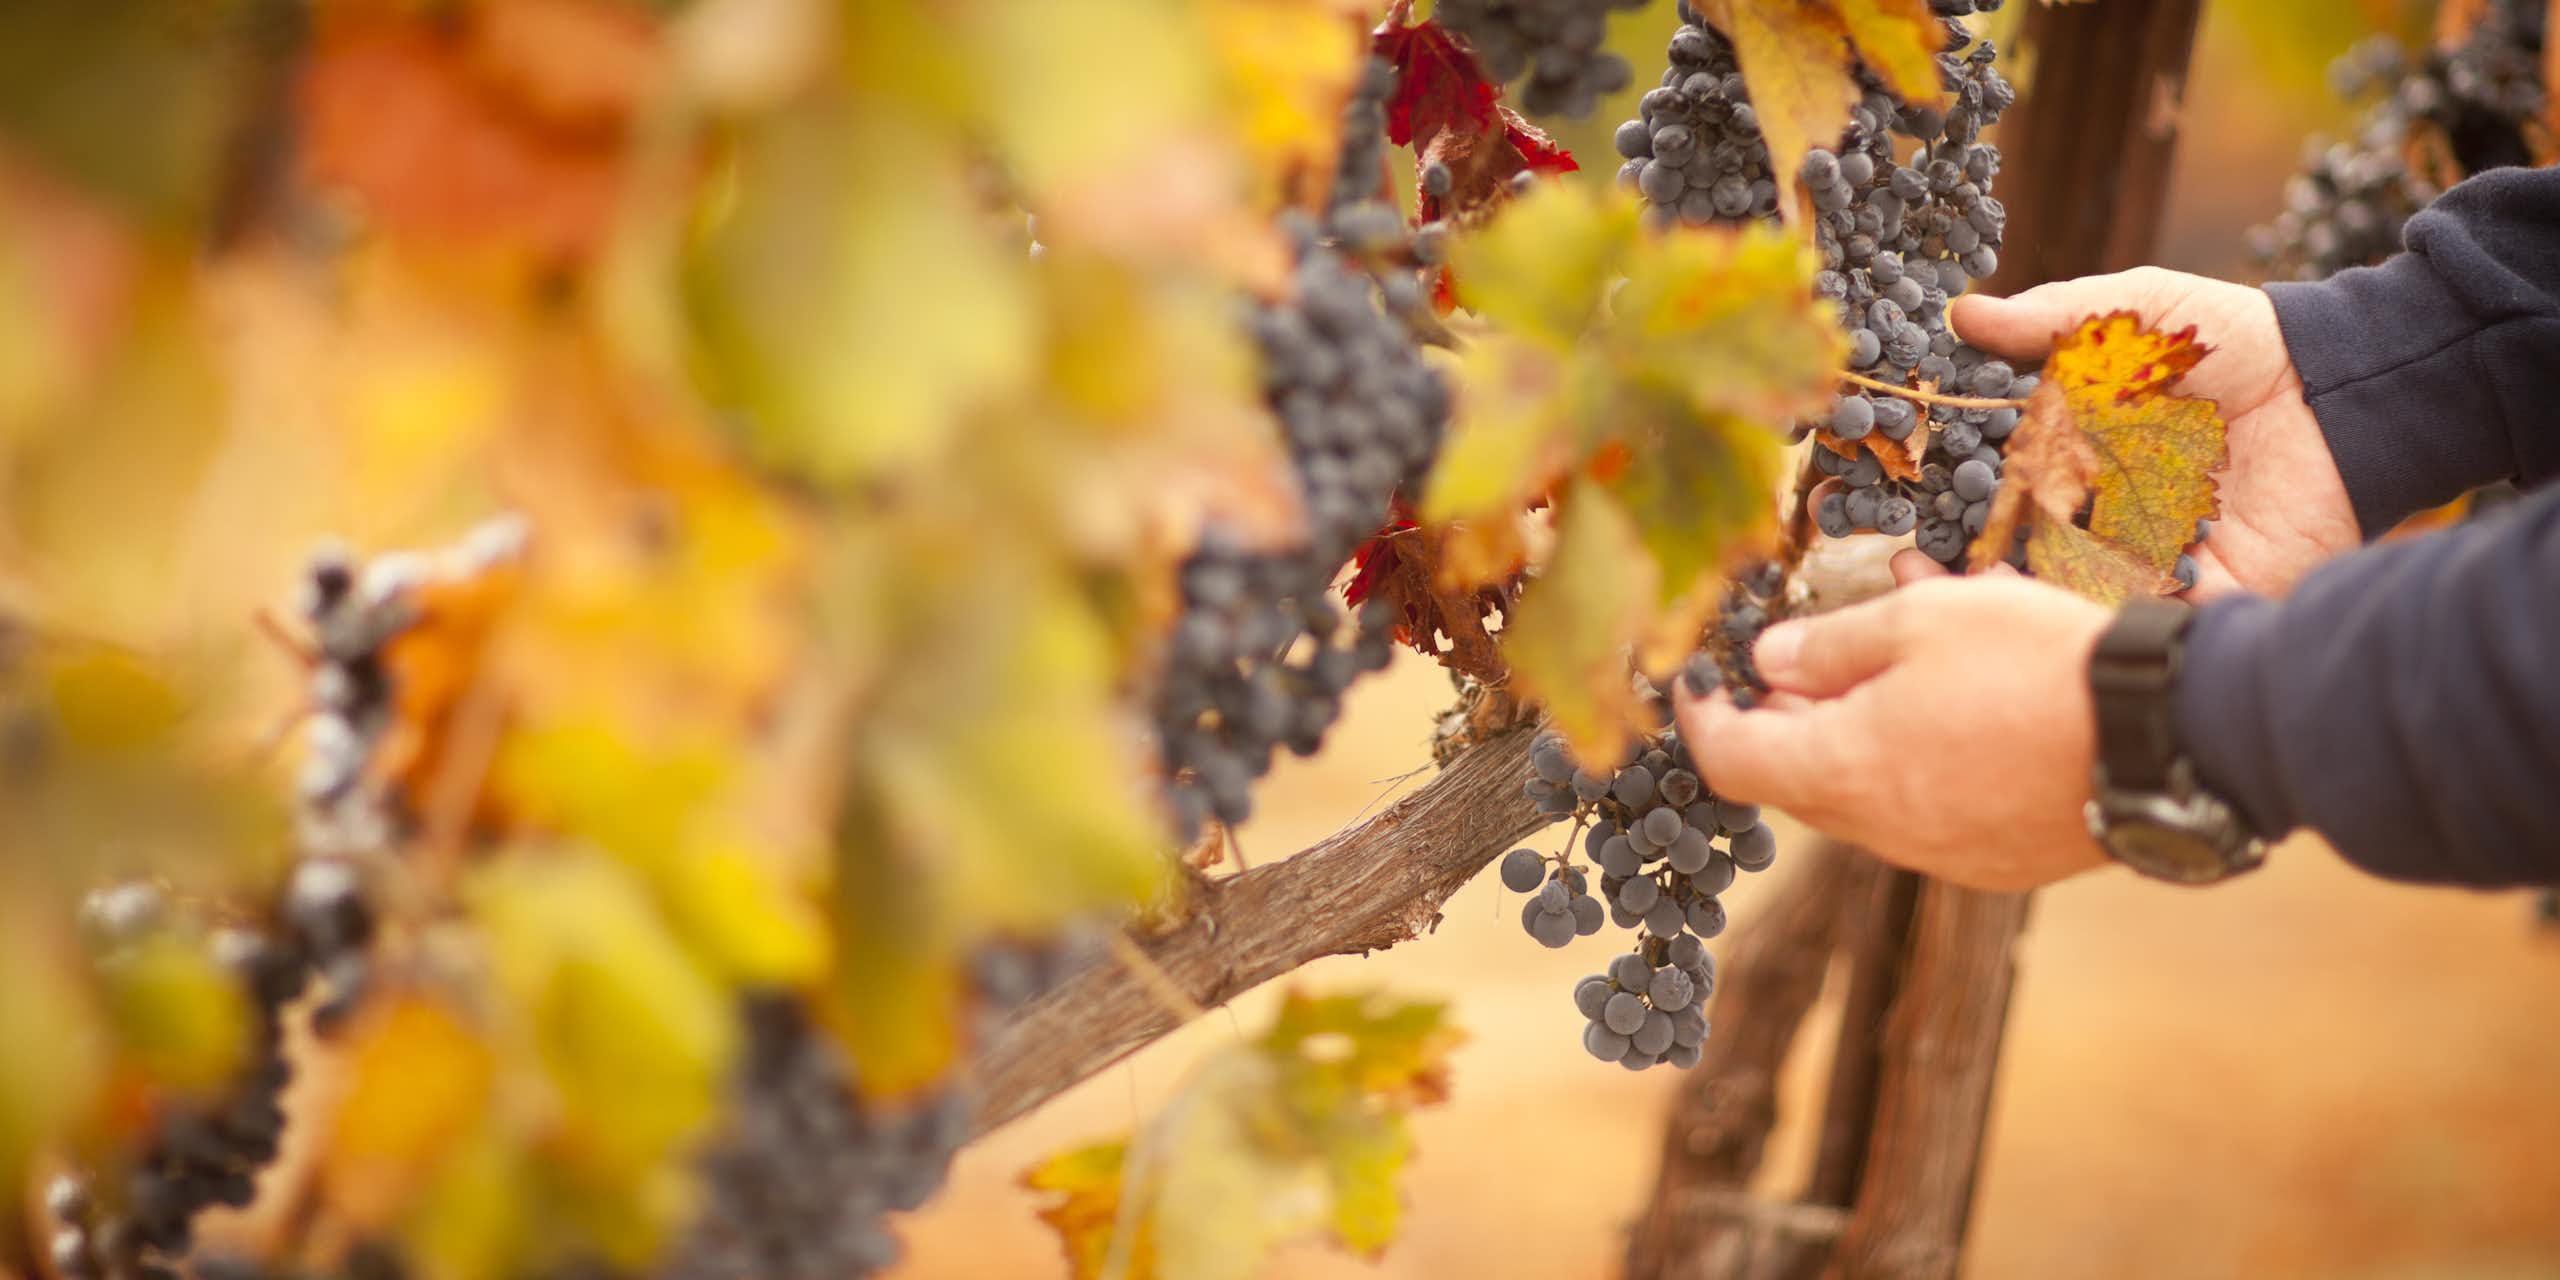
(1777, 647)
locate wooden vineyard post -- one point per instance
(1924, 968)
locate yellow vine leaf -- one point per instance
(1578, 619)
(1796, 58)
(1649, 376)
(1300, 1132)
(2065, 553)
(2106, 431)
(1899, 40)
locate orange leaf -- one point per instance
(2105, 431)
(1408, 567)
(503, 127)
(417, 1080)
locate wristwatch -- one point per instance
(2146, 808)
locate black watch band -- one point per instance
(2129, 678)
(2146, 808)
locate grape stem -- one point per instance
(1929, 397)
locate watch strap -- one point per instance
(2130, 674)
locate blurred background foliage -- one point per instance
(811, 680)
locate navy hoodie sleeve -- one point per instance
(2403, 700)
(2439, 371)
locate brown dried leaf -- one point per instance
(1900, 458)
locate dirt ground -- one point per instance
(2308, 1073)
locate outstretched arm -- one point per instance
(2404, 701)
(2437, 372)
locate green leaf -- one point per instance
(1578, 620)
(1300, 1132)
(849, 301)
(1643, 382)
(176, 1014)
(632, 1037)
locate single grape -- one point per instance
(1630, 972)
(1654, 1035)
(1553, 929)
(1661, 825)
(1666, 919)
(1670, 990)
(1624, 1013)
(1689, 851)
(1591, 995)
(1554, 898)
(1706, 917)
(1639, 895)
(1522, 869)
(1734, 817)
(1634, 787)
(1604, 1043)
(1618, 857)
(1754, 848)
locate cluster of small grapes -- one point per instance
(1653, 827)
(1749, 604)
(800, 1183)
(353, 610)
(2348, 204)
(200, 1155)
(1899, 234)
(1555, 43)
(1261, 654)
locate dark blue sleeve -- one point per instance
(2403, 701)
(2438, 371)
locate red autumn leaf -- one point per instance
(1439, 83)
(1448, 110)
(504, 127)
(1401, 565)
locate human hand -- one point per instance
(1945, 726)
(2284, 507)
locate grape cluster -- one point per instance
(138, 1222)
(1260, 656)
(1555, 43)
(353, 610)
(1652, 833)
(800, 1182)
(2478, 97)
(1901, 231)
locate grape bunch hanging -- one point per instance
(1650, 830)
(1552, 46)
(1362, 416)
(1902, 226)
(2434, 116)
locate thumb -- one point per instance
(1827, 655)
(2023, 326)
(1911, 565)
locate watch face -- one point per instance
(2166, 852)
